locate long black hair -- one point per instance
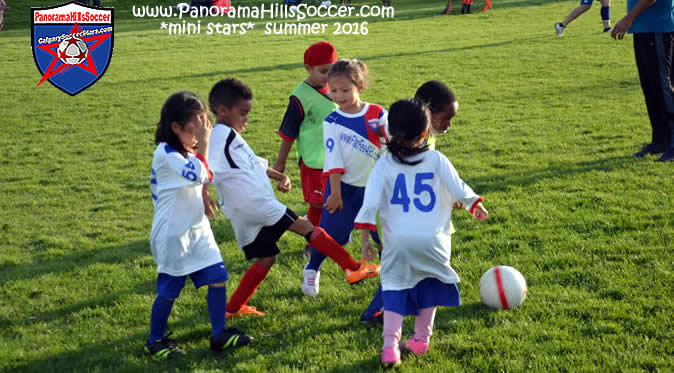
(179, 108)
(408, 120)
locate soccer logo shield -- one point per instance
(72, 45)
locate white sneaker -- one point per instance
(310, 282)
(560, 29)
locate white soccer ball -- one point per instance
(73, 51)
(503, 287)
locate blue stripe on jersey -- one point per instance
(153, 181)
(153, 173)
(356, 125)
(154, 197)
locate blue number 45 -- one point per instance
(400, 196)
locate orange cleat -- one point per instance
(363, 272)
(244, 310)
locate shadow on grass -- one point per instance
(75, 261)
(292, 66)
(505, 181)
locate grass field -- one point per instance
(545, 133)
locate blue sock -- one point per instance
(376, 304)
(605, 13)
(217, 302)
(161, 310)
(315, 260)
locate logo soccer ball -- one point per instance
(73, 51)
(503, 287)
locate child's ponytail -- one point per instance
(408, 123)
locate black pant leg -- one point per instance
(651, 73)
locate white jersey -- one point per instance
(181, 238)
(245, 194)
(415, 207)
(351, 146)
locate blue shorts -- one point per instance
(429, 292)
(170, 286)
(340, 224)
(585, 2)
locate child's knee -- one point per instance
(268, 261)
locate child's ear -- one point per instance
(175, 127)
(221, 110)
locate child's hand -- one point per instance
(333, 203)
(284, 184)
(457, 205)
(368, 251)
(480, 213)
(203, 128)
(210, 207)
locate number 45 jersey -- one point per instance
(415, 209)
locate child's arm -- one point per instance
(283, 179)
(334, 201)
(460, 190)
(366, 220)
(283, 152)
(289, 131)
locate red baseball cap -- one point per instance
(321, 53)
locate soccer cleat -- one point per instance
(164, 348)
(650, 149)
(363, 272)
(668, 156)
(607, 29)
(414, 346)
(390, 357)
(244, 310)
(310, 282)
(375, 321)
(559, 28)
(230, 338)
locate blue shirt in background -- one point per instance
(658, 18)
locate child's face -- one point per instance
(442, 120)
(235, 116)
(318, 75)
(344, 93)
(186, 133)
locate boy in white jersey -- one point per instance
(247, 199)
(413, 189)
(181, 239)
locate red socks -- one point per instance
(249, 283)
(327, 246)
(314, 215)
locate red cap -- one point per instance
(321, 53)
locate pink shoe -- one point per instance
(412, 345)
(390, 357)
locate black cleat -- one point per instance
(668, 156)
(651, 149)
(375, 321)
(230, 338)
(164, 348)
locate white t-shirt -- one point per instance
(245, 193)
(351, 146)
(415, 209)
(181, 238)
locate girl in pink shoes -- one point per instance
(413, 189)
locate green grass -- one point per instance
(545, 133)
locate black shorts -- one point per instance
(265, 243)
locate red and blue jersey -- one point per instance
(351, 144)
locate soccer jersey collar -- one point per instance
(356, 115)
